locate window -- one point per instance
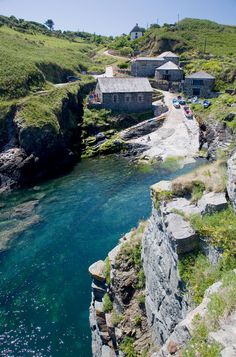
(140, 98)
(115, 98)
(127, 98)
(198, 82)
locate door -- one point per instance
(196, 91)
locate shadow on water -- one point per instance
(44, 286)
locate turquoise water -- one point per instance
(44, 285)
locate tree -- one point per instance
(50, 24)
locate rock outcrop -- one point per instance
(30, 151)
(167, 323)
(215, 136)
(231, 184)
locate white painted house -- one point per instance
(137, 32)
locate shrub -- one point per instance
(141, 279)
(107, 271)
(107, 303)
(127, 347)
(220, 227)
(116, 318)
(141, 301)
(198, 190)
(123, 65)
(138, 320)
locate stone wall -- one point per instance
(131, 106)
(174, 75)
(146, 68)
(205, 90)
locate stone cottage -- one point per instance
(145, 66)
(199, 84)
(170, 72)
(137, 32)
(130, 95)
(169, 56)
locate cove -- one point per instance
(44, 280)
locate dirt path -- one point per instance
(116, 56)
(178, 137)
(108, 74)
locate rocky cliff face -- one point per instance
(215, 136)
(31, 152)
(166, 318)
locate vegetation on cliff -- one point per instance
(222, 304)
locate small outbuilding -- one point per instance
(145, 66)
(199, 84)
(136, 32)
(170, 72)
(130, 95)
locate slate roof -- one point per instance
(124, 85)
(137, 28)
(168, 66)
(158, 59)
(168, 54)
(200, 75)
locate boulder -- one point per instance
(212, 202)
(97, 270)
(182, 235)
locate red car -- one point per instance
(188, 112)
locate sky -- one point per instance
(109, 17)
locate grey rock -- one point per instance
(212, 202)
(226, 335)
(231, 184)
(229, 351)
(181, 234)
(141, 129)
(165, 305)
(182, 205)
(182, 331)
(97, 270)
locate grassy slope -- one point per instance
(39, 110)
(35, 58)
(191, 35)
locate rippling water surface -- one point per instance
(44, 283)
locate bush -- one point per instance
(138, 320)
(141, 301)
(127, 347)
(220, 227)
(141, 279)
(123, 65)
(107, 303)
(107, 271)
(116, 318)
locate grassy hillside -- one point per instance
(31, 56)
(27, 61)
(190, 35)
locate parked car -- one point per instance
(181, 100)
(73, 79)
(176, 103)
(206, 103)
(188, 113)
(195, 100)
